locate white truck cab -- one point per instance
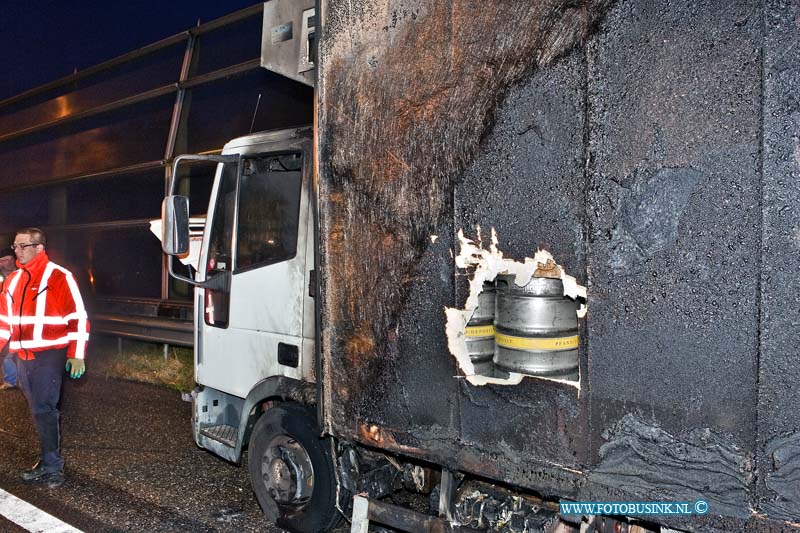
(259, 232)
(254, 315)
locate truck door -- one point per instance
(257, 225)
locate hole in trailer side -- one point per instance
(523, 313)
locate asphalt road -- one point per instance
(131, 464)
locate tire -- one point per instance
(291, 470)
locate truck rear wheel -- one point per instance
(291, 470)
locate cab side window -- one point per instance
(269, 209)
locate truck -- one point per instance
(518, 263)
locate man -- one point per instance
(9, 364)
(43, 321)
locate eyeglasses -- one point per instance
(23, 246)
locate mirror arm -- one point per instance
(192, 157)
(170, 263)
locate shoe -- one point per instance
(54, 480)
(34, 474)
(6, 386)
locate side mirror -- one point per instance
(175, 219)
(175, 225)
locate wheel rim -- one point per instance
(287, 471)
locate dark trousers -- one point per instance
(40, 381)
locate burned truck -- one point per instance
(530, 253)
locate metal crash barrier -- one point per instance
(144, 319)
(163, 330)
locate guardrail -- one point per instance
(152, 329)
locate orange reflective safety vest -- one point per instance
(42, 309)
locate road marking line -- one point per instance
(31, 518)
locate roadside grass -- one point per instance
(141, 361)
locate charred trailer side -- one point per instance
(651, 148)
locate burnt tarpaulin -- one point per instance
(674, 215)
(779, 373)
(651, 147)
(407, 89)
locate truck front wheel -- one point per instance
(291, 470)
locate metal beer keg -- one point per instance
(480, 332)
(536, 328)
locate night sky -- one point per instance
(42, 41)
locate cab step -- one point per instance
(227, 435)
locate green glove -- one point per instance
(78, 367)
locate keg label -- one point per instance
(538, 343)
(479, 331)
